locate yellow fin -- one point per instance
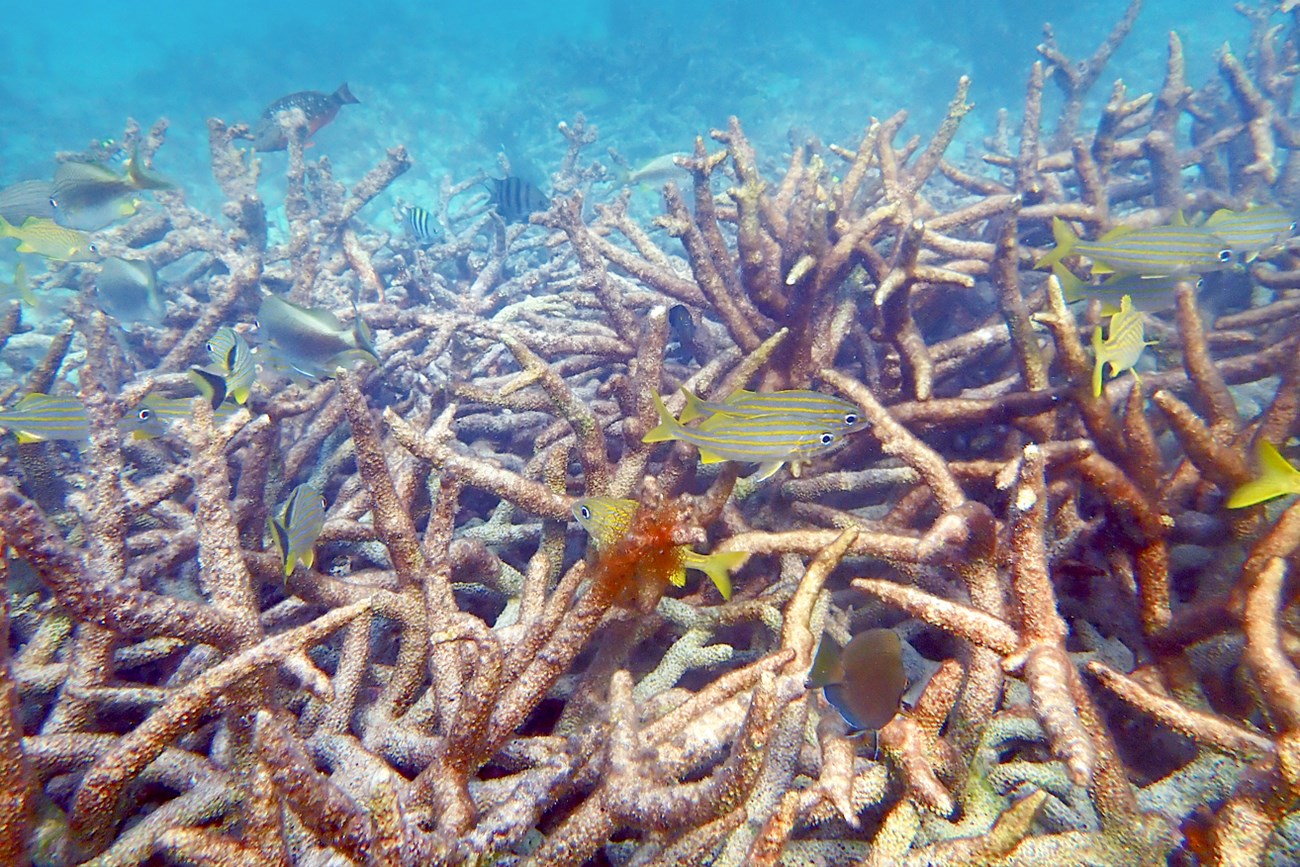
(1097, 367)
(694, 406)
(1065, 241)
(1276, 478)
(667, 428)
(718, 566)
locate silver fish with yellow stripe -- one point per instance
(1157, 251)
(836, 413)
(297, 527)
(42, 417)
(607, 520)
(1255, 229)
(47, 238)
(771, 441)
(1123, 346)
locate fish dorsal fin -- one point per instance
(1218, 217)
(738, 395)
(1117, 232)
(1178, 219)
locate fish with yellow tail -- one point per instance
(234, 362)
(47, 238)
(1277, 478)
(607, 520)
(297, 526)
(43, 417)
(1160, 251)
(1123, 345)
(771, 441)
(864, 681)
(835, 413)
(89, 196)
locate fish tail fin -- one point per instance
(210, 384)
(694, 406)
(344, 95)
(1101, 360)
(718, 566)
(22, 285)
(1065, 241)
(668, 427)
(1071, 286)
(138, 178)
(1276, 477)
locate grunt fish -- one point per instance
(234, 360)
(320, 108)
(515, 198)
(297, 526)
(1156, 252)
(26, 199)
(1277, 478)
(1123, 345)
(607, 520)
(42, 417)
(311, 340)
(1156, 293)
(835, 413)
(422, 225)
(771, 441)
(128, 289)
(1252, 230)
(47, 238)
(865, 681)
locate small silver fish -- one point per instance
(659, 170)
(41, 417)
(297, 526)
(313, 341)
(128, 289)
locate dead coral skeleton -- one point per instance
(452, 684)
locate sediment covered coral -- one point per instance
(453, 683)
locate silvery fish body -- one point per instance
(42, 417)
(312, 341)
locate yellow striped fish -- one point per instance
(1252, 230)
(770, 441)
(1155, 293)
(607, 520)
(234, 360)
(835, 413)
(1277, 478)
(42, 417)
(1123, 344)
(297, 526)
(47, 238)
(1155, 252)
(156, 414)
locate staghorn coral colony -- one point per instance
(1101, 656)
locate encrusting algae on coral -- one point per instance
(431, 672)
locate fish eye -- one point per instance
(1225, 255)
(208, 346)
(584, 512)
(144, 414)
(54, 203)
(1200, 284)
(94, 248)
(851, 418)
(828, 438)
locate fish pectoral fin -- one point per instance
(677, 577)
(710, 457)
(767, 470)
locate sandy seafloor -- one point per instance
(456, 82)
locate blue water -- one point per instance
(457, 81)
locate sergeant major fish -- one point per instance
(422, 225)
(515, 198)
(320, 108)
(607, 520)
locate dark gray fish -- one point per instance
(319, 108)
(128, 289)
(26, 199)
(682, 325)
(515, 198)
(865, 681)
(422, 225)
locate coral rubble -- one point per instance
(1103, 656)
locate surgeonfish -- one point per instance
(837, 414)
(1156, 252)
(89, 196)
(26, 199)
(128, 289)
(1255, 229)
(233, 358)
(1123, 345)
(422, 225)
(682, 326)
(42, 417)
(47, 238)
(865, 681)
(607, 520)
(311, 340)
(320, 108)
(771, 441)
(297, 525)
(515, 198)
(1277, 477)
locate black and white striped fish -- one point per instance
(515, 198)
(422, 225)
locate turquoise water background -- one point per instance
(455, 82)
